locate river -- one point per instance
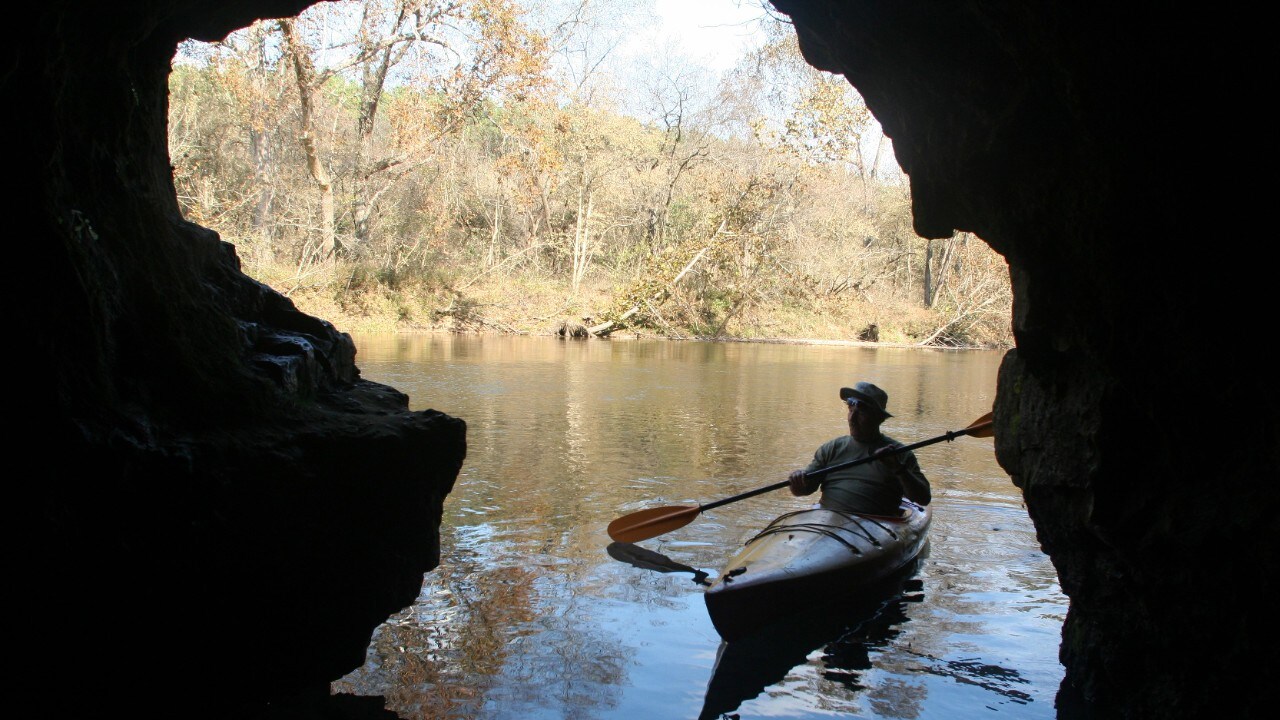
(534, 614)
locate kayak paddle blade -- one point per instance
(983, 427)
(651, 523)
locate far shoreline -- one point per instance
(631, 336)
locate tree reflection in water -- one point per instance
(479, 642)
(431, 659)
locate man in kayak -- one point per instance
(873, 488)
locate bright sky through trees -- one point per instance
(715, 32)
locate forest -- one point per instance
(552, 167)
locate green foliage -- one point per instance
(343, 95)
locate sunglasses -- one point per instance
(856, 404)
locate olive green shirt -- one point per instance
(870, 488)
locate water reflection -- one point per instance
(847, 630)
(479, 643)
(533, 614)
(433, 659)
(994, 678)
(646, 559)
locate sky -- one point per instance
(717, 33)
(714, 31)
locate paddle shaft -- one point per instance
(645, 524)
(952, 435)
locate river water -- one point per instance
(533, 613)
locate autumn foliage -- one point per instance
(401, 164)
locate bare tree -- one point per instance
(309, 81)
(454, 53)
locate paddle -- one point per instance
(651, 523)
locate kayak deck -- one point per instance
(805, 556)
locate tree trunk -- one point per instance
(582, 249)
(380, 55)
(935, 279)
(305, 74)
(260, 137)
(492, 258)
(928, 272)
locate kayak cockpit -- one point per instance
(811, 553)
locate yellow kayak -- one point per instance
(807, 555)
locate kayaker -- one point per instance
(873, 488)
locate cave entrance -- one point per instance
(554, 173)
(565, 167)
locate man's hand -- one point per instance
(799, 484)
(892, 460)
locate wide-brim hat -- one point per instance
(868, 393)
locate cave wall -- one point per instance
(1104, 152)
(215, 510)
(215, 507)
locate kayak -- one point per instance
(805, 556)
(846, 631)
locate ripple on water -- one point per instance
(529, 616)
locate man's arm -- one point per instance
(905, 467)
(915, 486)
(801, 485)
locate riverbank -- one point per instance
(523, 306)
